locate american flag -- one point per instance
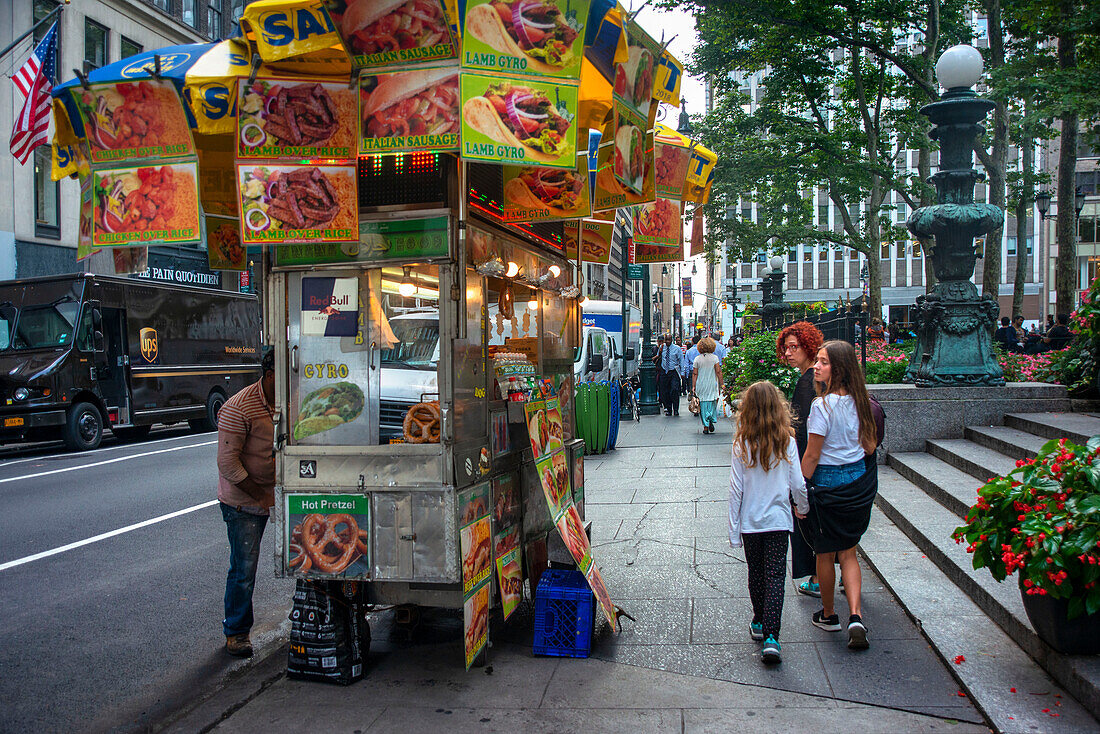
(34, 79)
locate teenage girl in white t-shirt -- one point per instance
(840, 435)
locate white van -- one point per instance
(594, 360)
(608, 315)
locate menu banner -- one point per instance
(288, 28)
(659, 222)
(378, 240)
(633, 149)
(595, 241)
(129, 260)
(146, 205)
(380, 33)
(410, 110)
(609, 193)
(509, 561)
(507, 504)
(134, 120)
(296, 118)
(283, 204)
(553, 471)
(535, 194)
(530, 37)
(224, 250)
(475, 622)
(327, 535)
(544, 426)
(520, 121)
(84, 246)
(670, 162)
(474, 538)
(634, 77)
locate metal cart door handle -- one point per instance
(294, 358)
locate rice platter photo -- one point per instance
(158, 201)
(316, 117)
(131, 115)
(297, 197)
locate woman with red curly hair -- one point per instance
(797, 346)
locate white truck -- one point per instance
(608, 316)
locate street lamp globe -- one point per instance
(776, 262)
(959, 67)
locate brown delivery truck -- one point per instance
(81, 353)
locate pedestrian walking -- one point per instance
(797, 346)
(671, 361)
(246, 493)
(706, 383)
(839, 461)
(764, 476)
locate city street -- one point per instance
(116, 631)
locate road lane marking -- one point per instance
(104, 536)
(105, 461)
(69, 454)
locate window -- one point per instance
(41, 9)
(214, 19)
(129, 48)
(47, 206)
(39, 327)
(792, 255)
(1087, 146)
(761, 257)
(899, 250)
(85, 340)
(95, 44)
(746, 212)
(1087, 181)
(884, 252)
(807, 254)
(916, 248)
(822, 253)
(162, 4)
(190, 17)
(1010, 247)
(822, 213)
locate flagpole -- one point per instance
(50, 16)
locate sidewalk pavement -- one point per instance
(658, 510)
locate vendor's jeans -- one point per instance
(837, 476)
(708, 412)
(245, 533)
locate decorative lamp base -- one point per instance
(954, 347)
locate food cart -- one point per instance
(415, 195)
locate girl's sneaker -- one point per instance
(857, 633)
(770, 653)
(756, 630)
(810, 588)
(829, 624)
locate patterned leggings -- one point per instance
(766, 556)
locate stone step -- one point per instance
(954, 489)
(1077, 427)
(978, 461)
(929, 526)
(993, 666)
(1011, 442)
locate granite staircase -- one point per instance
(1015, 678)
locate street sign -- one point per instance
(635, 272)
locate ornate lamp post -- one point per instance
(954, 323)
(771, 298)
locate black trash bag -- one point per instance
(328, 631)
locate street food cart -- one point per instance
(411, 182)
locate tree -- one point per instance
(832, 117)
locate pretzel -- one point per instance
(422, 424)
(319, 535)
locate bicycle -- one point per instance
(626, 392)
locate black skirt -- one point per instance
(840, 515)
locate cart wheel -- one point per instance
(84, 427)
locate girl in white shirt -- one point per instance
(764, 475)
(839, 462)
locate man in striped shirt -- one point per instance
(246, 492)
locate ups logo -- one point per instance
(148, 338)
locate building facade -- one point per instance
(39, 217)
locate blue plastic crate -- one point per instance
(565, 612)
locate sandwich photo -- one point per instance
(630, 156)
(380, 26)
(557, 191)
(634, 79)
(520, 117)
(531, 29)
(594, 248)
(422, 102)
(328, 407)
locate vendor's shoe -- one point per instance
(770, 653)
(756, 630)
(829, 624)
(238, 645)
(810, 588)
(857, 633)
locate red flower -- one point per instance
(959, 660)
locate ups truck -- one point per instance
(83, 353)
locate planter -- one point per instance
(1080, 636)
